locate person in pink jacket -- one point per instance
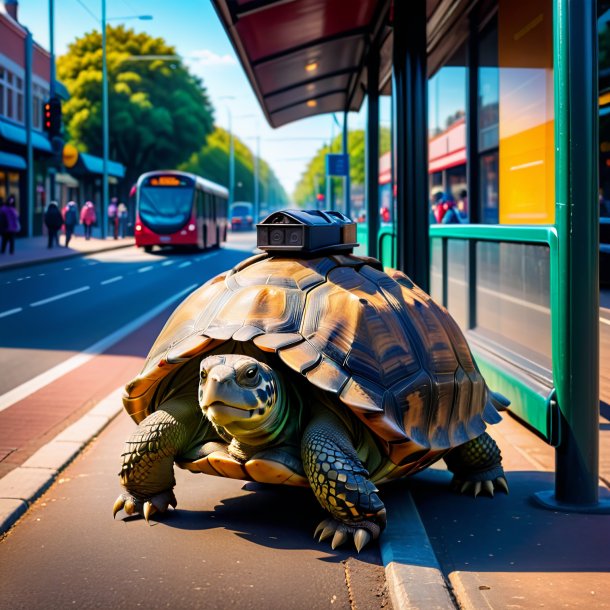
(88, 218)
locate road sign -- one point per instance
(337, 164)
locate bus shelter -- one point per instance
(496, 100)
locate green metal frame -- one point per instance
(534, 407)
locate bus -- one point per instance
(180, 209)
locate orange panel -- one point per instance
(527, 158)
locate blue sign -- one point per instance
(337, 164)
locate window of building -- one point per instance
(11, 96)
(447, 135)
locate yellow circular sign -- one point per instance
(69, 155)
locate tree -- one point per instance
(159, 112)
(313, 180)
(212, 162)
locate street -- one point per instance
(220, 547)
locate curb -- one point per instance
(23, 485)
(413, 574)
(51, 259)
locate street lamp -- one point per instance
(105, 130)
(231, 149)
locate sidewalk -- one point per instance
(32, 250)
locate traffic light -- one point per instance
(52, 117)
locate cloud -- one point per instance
(205, 57)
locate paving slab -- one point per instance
(25, 483)
(84, 429)
(55, 455)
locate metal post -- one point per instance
(372, 152)
(231, 160)
(29, 172)
(256, 191)
(346, 181)
(410, 82)
(52, 78)
(576, 353)
(105, 134)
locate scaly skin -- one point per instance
(340, 483)
(147, 472)
(477, 466)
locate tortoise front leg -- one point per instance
(340, 483)
(147, 472)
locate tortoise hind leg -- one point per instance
(340, 483)
(477, 466)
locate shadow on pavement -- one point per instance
(508, 533)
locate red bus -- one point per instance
(180, 209)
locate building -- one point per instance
(29, 166)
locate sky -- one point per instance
(193, 27)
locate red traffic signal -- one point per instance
(52, 117)
(320, 197)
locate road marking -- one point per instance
(63, 295)
(604, 321)
(91, 264)
(33, 385)
(167, 263)
(145, 269)
(67, 268)
(111, 280)
(10, 312)
(186, 264)
(41, 274)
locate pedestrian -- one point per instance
(122, 214)
(112, 218)
(9, 224)
(70, 214)
(88, 218)
(53, 220)
(452, 214)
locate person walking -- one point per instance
(88, 218)
(53, 221)
(70, 214)
(9, 224)
(112, 218)
(122, 214)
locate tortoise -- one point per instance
(322, 371)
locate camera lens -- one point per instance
(277, 236)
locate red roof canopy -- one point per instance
(304, 57)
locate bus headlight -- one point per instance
(138, 227)
(192, 227)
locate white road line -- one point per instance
(604, 321)
(33, 385)
(111, 280)
(186, 264)
(41, 274)
(145, 269)
(67, 268)
(63, 295)
(10, 312)
(167, 263)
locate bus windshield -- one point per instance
(165, 208)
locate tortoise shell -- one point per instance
(372, 339)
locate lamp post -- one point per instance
(105, 127)
(231, 149)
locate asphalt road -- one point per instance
(52, 311)
(229, 543)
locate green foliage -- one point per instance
(313, 180)
(159, 112)
(212, 162)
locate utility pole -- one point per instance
(52, 78)
(105, 134)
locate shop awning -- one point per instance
(18, 135)
(303, 57)
(95, 165)
(8, 160)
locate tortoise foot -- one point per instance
(475, 488)
(361, 532)
(145, 506)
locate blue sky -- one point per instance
(194, 29)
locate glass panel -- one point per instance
(527, 156)
(447, 135)
(457, 280)
(488, 89)
(436, 270)
(512, 298)
(604, 108)
(165, 209)
(488, 190)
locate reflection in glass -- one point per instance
(457, 280)
(512, 298)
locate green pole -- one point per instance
(576, 349)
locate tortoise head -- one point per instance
(237, 392)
